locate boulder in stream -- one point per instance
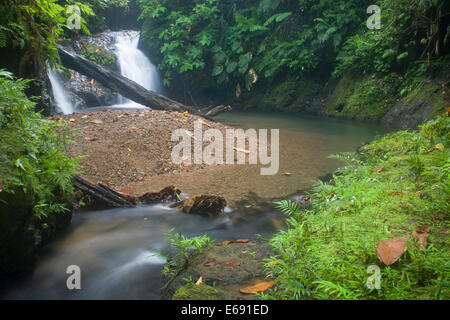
(205, 205)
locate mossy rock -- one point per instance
(291, 95)
(192, 291)
(100, 55)
(425, 102)
(225, 268)
(363, 98)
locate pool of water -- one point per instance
(119, 250)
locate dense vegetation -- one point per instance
(212, 42)
(242, 48)
(31, 152)
(387, 189)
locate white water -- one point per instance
(63, 104)
(134, 65)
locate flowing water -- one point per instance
(60, 95)
(134, 65)
(118, 250)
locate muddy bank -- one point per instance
(122, 148)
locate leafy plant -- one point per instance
(32, 151)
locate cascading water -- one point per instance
(63, 104)
(134, 65)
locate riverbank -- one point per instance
(120, 148)
(131, 151)
(395, 188)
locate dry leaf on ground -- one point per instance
(210, 262)
(96, 121)
(421, 235)
(389, 251)
(260, 287)
(232, 263)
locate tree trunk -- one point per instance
(122, 85)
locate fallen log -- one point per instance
(124, 86)
(218, 110)
(100, 196)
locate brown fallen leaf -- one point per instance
(240, 241)
(420, 234)
(232, 263)
(211, 262)
(389, 251)
(96, 121)
(90, 139)
(72, 120)
(379, 169)
(260, 287)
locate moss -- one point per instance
(364, 98)
(392, 186)
(198, 292)
(341, 94)
(100, 56)
(290, 95)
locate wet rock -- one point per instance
(205, 205)
(423, 103)
(167, 194)
(239, 264)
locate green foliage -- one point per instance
(392, 186)
(100, 56)
(410, 30)
(97, 22)
(227, 39)
(184, 248)
(31, 151)
(34, 26)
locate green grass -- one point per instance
(391, 186)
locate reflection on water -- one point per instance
(118, 250)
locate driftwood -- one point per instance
(218, 110)
(124, 86)
(100, 195)
(205, 205)
(167, 194)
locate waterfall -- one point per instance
(135, 65)
(60, 95)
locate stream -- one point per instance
(119, 251)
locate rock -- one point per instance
(167, 194)
(228, 278)
(422, 104)
(205, 205)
